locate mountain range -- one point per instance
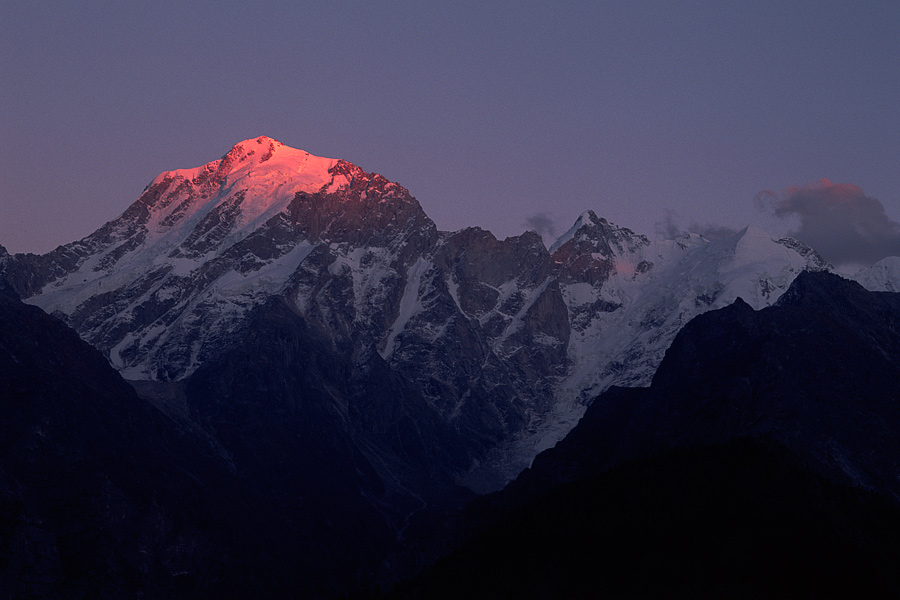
(305, 347)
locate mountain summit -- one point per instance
(202, 246)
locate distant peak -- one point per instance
(588, 216)
(588, 222)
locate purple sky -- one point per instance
(490, 113)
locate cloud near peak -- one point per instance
(669, 228)
(544, 224)
(837, 219)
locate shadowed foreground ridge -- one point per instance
(100, 495)
(739, 520)
(104, 496)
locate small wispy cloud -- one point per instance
(544, 224)
(669, 228)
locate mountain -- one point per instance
(355, 372)
(168, 285)
(762, 461)
(505, 341)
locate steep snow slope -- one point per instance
(883, 276)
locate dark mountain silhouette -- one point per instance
(101, 495)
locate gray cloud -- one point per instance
(713, 231)
(837, 219)
(669, 229)
(544, 224)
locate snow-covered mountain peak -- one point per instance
(752, 245)
(588, 217)
(754, 242)
(883, 276)
(751, 253)
(201, 247)
(607, 237)
(815, 260)
(258, 157)
(594, 249)
(255, 180)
